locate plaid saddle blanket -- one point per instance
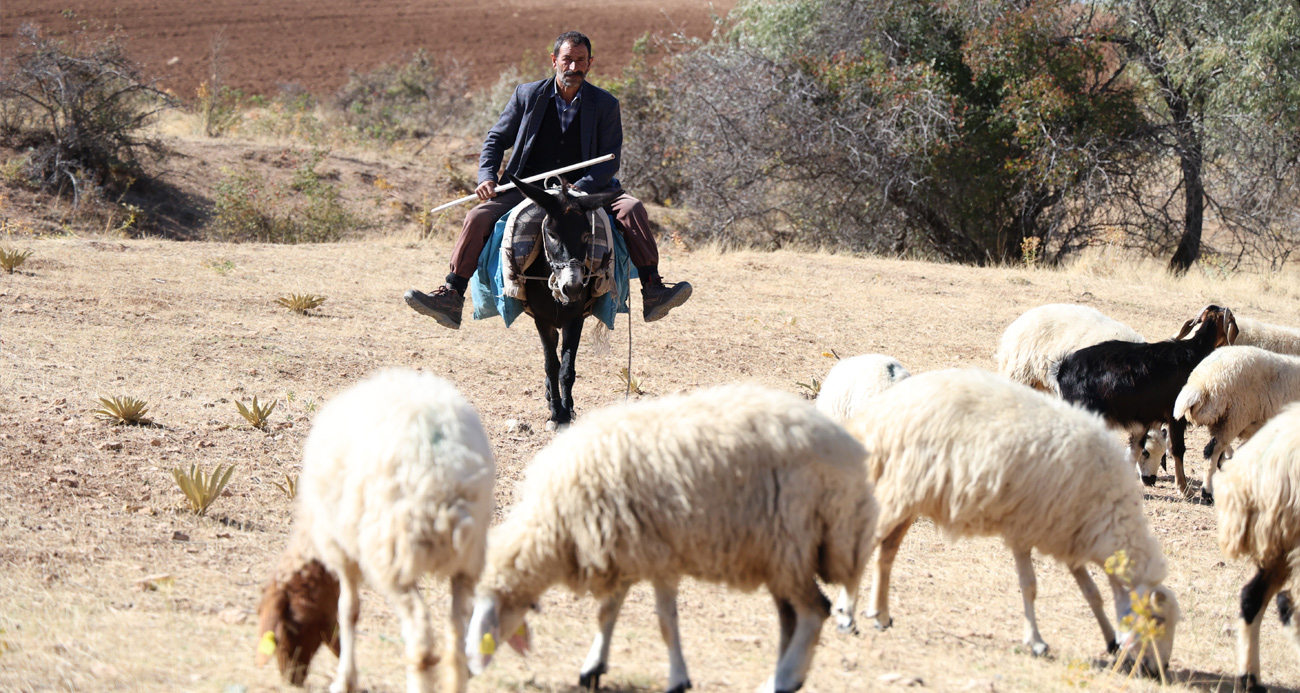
(520, 247)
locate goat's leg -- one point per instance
(1177, 446)
(568, 367)
(1029, 592)
(1254, 600)
(880, 575)
(550, 345)
(810, 612)
(345, 679)
(455, 672)
(1286, 611)
(1093, 596)
(666, 608)
(597, 662)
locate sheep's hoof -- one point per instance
(1039, 649)
(1149, 480)
(681, 687)
(882, 625)
(1207, 496)
(1112, 647)
(590, 680)
(1250, 684)
(845, 624)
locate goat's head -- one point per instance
(566, 233)
(1225, 325)
(297, 615)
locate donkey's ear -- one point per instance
(545, 200)
(597, 200)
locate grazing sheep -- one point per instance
(981, 455)
(1034, 344)
(854, 379)
(298, 612)
(1259, 519)
(1134, 386)
(396, 483)
(738, 484)
(1234, 392)
(1036, 341)
(1275, 338)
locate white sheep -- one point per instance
(1275, 338)
(1034, 344)
(396, 483)
(1258, 503)
(981, 455)
(1235, 391)
(738, 484)
(853, 380)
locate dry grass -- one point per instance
(88, 509)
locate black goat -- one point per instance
(1134, 385)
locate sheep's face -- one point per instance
(485, 628)
(1152, 456)
(295, 618)
(1155, 629)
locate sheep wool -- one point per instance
(1258, 506)
(1278, 339)
(981, 455)
(853, 380)
(396, 483)
(1235, 391)
(738, 484)
(1035, 342)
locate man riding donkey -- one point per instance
(551, 124)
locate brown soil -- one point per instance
(88, 510)
(314, 43)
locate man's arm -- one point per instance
(500, 138)
(609, 140)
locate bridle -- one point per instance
(578, 265)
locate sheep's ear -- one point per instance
(1232, 326)
(522, 639)
(271, 615)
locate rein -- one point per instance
(579, 265)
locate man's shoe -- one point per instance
(443, 305)
(657, 299)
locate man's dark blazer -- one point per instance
(602, 133)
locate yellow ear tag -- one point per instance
(267, 645)
(522, 630)
(488, 645)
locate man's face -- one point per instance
(571, 65)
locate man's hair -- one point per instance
(577, 38)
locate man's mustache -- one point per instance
(574, 73)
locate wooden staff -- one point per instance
(530, 179)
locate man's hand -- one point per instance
(486, 190)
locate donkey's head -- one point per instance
(566, 232)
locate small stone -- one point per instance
(233, 616)
(109, 445)
(180, 536)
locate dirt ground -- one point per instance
(88, 510)
(266, 45)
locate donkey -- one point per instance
(559, 304)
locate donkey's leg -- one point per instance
(568, 370)
(550, 344)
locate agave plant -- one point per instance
(11, 258)
(300, 303)
(257, 414)
(123, 410)
(289, 487)
(202, 489)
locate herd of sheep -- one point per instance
(749, 487)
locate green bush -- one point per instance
(413, 100)
(248, 207)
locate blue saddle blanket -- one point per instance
(489, 300)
